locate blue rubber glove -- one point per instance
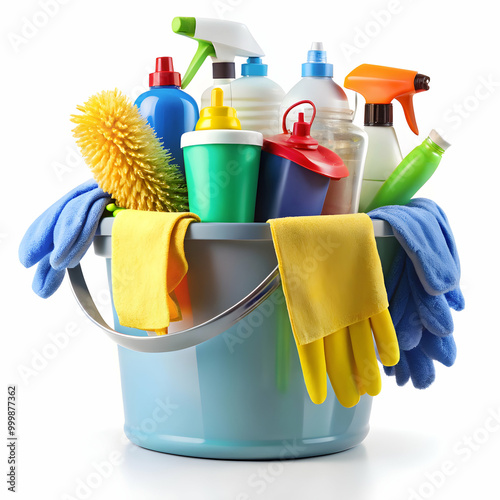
(46, 280)
(60, 237)
(422, 285)
(418, 364)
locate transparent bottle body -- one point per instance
(350, 143)
(333, 129)
(225, 85)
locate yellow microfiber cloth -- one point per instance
(148, 263)
(335, 294)
(331, 272)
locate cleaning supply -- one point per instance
(169, 111)
(125, 156)
(417, 364)
(380, 85)
(223, 376)
(222, 165)
(423, 231)
(295, 172)
(332, 128)
(422, 285)
(148, 264)
(222, 40)
(61, 235)
(257, 98)
(333, 282)
(412, 173)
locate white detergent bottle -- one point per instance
(257, 98)
(332, 128)
(380, 85)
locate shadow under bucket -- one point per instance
(240, 394)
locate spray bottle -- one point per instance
(380, 85)
(221, 40)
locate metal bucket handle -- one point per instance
(178, 340)
(197, 334)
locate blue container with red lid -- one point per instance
(295, 172)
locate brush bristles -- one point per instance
(125, 156)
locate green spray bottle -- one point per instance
(412, 173)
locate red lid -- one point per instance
(164, 74)
(303, 149)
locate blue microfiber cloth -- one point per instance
(422, 285)
(423, 231)
(38, 240)
(76, 227)
(60, 237)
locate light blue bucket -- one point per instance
(239, 394)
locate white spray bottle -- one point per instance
(221, 40)
(380, 85)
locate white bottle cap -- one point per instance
(436, 138)
(316, 46)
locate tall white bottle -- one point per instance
(257, 98)
(380, 85)
(332, 127)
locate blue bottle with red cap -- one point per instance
(295, 172)
(168, 110)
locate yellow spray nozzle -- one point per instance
(218, 116)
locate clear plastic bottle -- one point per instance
(332, 128)
(257, 98)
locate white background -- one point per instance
(70, 411)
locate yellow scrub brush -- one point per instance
(125, 156)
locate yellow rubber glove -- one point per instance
(348, 357)
(335, 295)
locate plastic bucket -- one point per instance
(239, 394)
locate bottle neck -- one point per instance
(378, 115)
(164, 87)
(429, 144)
(222, 70)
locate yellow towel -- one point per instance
(331, 272)
(335, 295)
(148, 263)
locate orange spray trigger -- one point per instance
(380, 85)
(406, 101)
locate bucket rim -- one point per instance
(235, 230)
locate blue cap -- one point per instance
(254, 67)
(316, 64)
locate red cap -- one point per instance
(304, 150)
(164, 74)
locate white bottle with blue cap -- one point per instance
(332, 128)
(257, 98)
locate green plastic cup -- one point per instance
(222, 171)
